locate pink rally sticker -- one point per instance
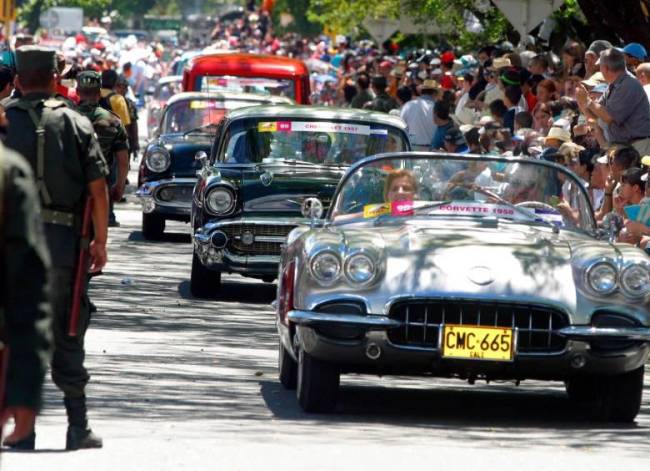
(284, 126)
(401, 208)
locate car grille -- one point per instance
(421, 321)
(236, 246)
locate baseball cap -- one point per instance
(447, 57)
(635, 50)
(598, 46)
(454, 136)
(645, 160)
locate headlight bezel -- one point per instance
(216, 212)
(590, 270)
(625, 287)
(158, 151)
(319, 255)
(374, 271)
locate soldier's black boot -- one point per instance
(26, 443)
(79, 435)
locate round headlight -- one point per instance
(635, 280)
(326, 267)
(602, 278)
(360, 269)
(220, 201)
(158, 161)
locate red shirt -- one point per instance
(69, 93)
(531, 100)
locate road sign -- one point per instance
(7, 10)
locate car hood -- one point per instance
(281, 189)
(182, 151)
(514, 262)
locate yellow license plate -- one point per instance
(477, 343)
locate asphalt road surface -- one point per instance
(181, 383)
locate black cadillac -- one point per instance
(265, 162)
(168, 168)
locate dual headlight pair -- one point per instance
(359, 268)
(604, 278)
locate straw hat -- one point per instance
(558, 133)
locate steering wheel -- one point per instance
(537, 204)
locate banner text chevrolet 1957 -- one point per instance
(265, 162)
(469, 267)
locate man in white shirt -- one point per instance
(418, 115)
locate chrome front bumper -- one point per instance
(162, 196)
(211, 246)
(316, 333)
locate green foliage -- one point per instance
(343, 16)
(301, 23)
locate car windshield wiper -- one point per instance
(290, 161)
(531, 215)
(202, 129)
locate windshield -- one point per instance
(308, 140)
(463, 187)
(258, 85)
(187, 115)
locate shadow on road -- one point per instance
(512, 416)
(232, 291)
(177, 237)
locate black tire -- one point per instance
(582, 389)
(317, 384)
(204, 283)
(153, 226)
(287, 368)
(620, 396)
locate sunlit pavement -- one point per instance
(182, 383)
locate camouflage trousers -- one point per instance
(68, 371)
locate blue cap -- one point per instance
(635, 50)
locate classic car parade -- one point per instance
(265, 163)
(252, 73)
(167, 172)
(463, 266)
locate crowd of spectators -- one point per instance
(585, 107)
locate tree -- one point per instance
(629, 21)
(449, 15)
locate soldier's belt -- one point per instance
(61, 218)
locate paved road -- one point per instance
(181, 383)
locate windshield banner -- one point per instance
(315, 126)
(407, 208)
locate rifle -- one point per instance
(80, 279)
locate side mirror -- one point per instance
(201, 157)
(312, 209)
(612, 225)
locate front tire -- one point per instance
(204, 283)
(153, 226)
(287, 368)
(620, 396)
(317, 384)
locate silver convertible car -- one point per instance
(475, 267)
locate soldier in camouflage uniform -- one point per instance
(110, 131)
(61, 147)
(24, 306)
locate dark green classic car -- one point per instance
(265, 162)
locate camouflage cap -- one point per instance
(89, 79)
(30, 58)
